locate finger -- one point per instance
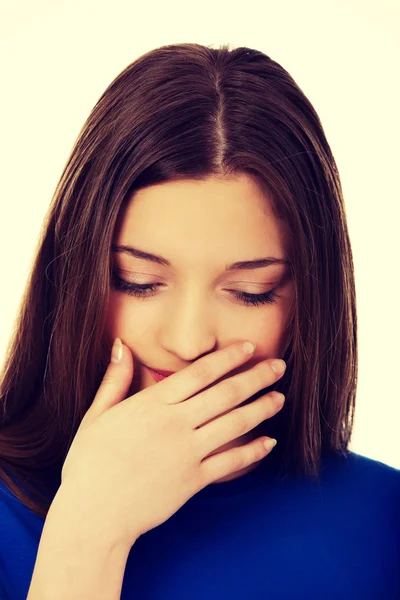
(229, 393)
(184, 384)
(235, 459)
(115, 383)
(238, 422)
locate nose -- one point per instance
(191, 327)
(188, 353)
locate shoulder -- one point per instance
(19, 540)
(362, 468)
(11, 509)
(7, 498)
(362, 479)
(13, 512)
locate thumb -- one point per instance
(115, 383)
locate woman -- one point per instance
(200, 207)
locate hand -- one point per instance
(134, 462)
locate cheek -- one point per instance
(266, 328)
(117, 315)
(268, 332)
(126, 319)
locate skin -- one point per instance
(200, 227)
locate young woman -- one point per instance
(200, 208)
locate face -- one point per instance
(194, 306)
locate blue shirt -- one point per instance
(262, 535)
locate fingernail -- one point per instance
(279, 366)
(269, 443)
(278, 396)
(248, 347)
(116, 351)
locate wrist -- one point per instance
(67, 566)
(79, 524)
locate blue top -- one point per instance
(258, 536)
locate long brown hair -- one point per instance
(181, 111)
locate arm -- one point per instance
(74, 562)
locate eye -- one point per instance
(141, 290)
(256, 299)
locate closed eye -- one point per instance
(140, 290)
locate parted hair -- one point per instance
(182, 111)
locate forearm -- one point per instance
(73, 563)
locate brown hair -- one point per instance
(182, 111)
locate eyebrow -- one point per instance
(242, 264)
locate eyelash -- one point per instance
(142, 291)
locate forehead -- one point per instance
(212, 215)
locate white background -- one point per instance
(57, 58)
